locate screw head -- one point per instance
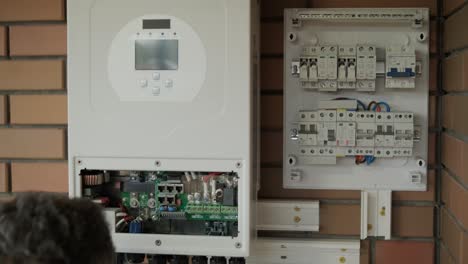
(158, 163)
(158, 243)
(239, 165)
(238, 245)
(79, 162)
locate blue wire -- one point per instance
(387, 106)
(370, 160)
(362, 104)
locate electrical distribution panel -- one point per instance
(154, 92)
(356, 98)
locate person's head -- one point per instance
(40, 228)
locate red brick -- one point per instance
(454, 156)
(32, 143)
(455, 33)
(32, 75)
(272, 38)
(412, 221)
(340, 219)
(429, 195)
(432, 4)
(3, 110)
(272, 147)
(272, 74)
(38, 109)
(272, 112)
(47, 177)
(38, 40)
(445, 257)
(32, 10)
(431, 159)
(4, 180)
(450, 5)
(275, 8)
(432, 111)
(3, 41)
(456, 73)
(455, 198)
(404, 252)
(271, 187)
(433, 73)
(454, 237)
(365, 252)
(434, 36)
(455, 108)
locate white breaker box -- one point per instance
(155, 131)
(356, 98)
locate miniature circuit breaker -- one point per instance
(356, 98)
(154, 92)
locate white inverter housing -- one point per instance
(162, 121)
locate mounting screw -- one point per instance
(238, 245)
(79, 162)
(342, 260)
(158, 163)
(158, 243)
(239, 165)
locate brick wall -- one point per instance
(33, 100)
(454, 155)
(33, 122)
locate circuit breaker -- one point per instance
(155, 89)
(356, 98)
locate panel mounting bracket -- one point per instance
(376, 214)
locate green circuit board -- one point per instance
(193, 211)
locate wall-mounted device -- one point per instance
(356, 98)
(155, 131)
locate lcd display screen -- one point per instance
(156, 24)
(157, 54)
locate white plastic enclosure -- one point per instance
(157, 85)
(337, 61)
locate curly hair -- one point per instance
(44, 228)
